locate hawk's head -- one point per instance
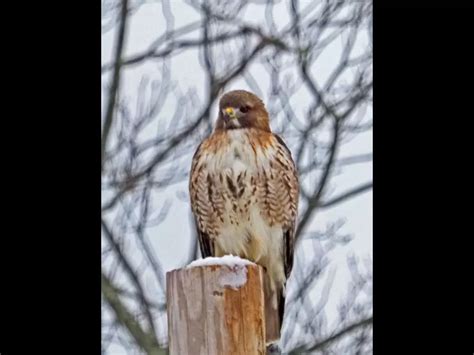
(242, 109)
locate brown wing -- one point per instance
(205, 244)
(285, 170)
(200, 191)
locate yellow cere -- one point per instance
(229, 111)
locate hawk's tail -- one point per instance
(281, 308)
(273, 347)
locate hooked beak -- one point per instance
(229, 114)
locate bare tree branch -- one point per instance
(323, 343)
(113, 92)
(314, 200)
(130, 272)
(355, 159)
(144, 339)
(347, 195)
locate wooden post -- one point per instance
(216, 309)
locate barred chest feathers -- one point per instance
(235, 169)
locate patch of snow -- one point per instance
(235, 276)
(227, 260)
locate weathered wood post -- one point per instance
(217, 309)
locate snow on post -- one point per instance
(216, 306)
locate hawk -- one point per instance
(244, 191)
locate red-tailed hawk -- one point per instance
(244, 190)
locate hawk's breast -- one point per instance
(233, 170)
(244, 195)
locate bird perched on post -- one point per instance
(244, 191)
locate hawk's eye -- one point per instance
(244, 109)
